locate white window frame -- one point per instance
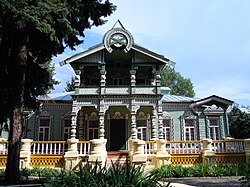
(142, 126)
(167, 127)
(189, 130)
(214, 128)
(95, 130)
(66, 129)
(42, 129)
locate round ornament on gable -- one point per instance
(118, 39)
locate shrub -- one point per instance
(97, 176)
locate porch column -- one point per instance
(133, 126)
(133, 80)
(160, 133)
(160, 121)
(153, 128)
(103, 80)
(134, 109)
(101, 126)
(102, 111)
(74, 112)
(77, 81)
(158, 82)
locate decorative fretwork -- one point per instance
(3, 160)
(47, 160)
(184, 159)
(95, 58)
(229, 158)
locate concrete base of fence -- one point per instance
(163, 158)
(98, 153)
(72, 157)
(25, 153)
(139, 158)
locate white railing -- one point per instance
(48, 147)
(83, 147)
(145, 90)
(150, 147)
(89, 91)
(3, 147)
(117, 90)
(228, 146)
(184, 147)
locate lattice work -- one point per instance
(47, 160)
(227, 158)
(190, 159)
(3, 161)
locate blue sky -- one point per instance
(208, 39)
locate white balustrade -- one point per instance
(183, 147)
(145, 90)
(84, 147)
(228, 146)
(117, 90)
(3, 147)
(48, 147)
(150, 147)
(89, 91)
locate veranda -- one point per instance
(69, 154)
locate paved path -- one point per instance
(206, 182)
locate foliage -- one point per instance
(200, 170)
(31, 33)
(245, 180)
(177, 83)
(70, 85)
(239, 124)
(115, 175)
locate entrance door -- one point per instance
(117, 134)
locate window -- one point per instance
(67, 128)
(214, 128)
(189, 129)
(142, 127)
(93, 129)
(118, 80)
(167, 129)
(44, 128)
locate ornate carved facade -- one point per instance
(118, 96)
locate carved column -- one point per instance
(102, 112)
(160, 120)
(158, 82)
(74, 112)
(153, 127)
(160, 133)
(77, 78)
(103, 80)
(133, 80)
(133, 126)
(101, 125)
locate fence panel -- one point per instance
(48, 147)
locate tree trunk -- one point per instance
(12, 175)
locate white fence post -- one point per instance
(25, 153)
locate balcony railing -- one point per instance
(116, 90)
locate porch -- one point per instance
(69, 154)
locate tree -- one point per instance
(239, 124)
(70, 86)
(176, 82)
(31, 33)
